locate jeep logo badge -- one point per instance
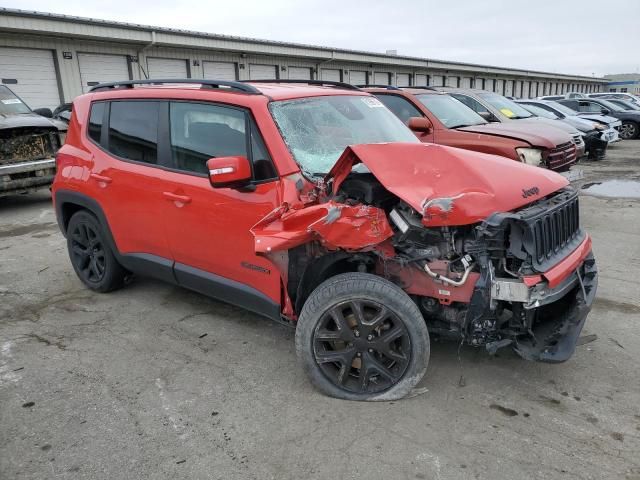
(530, 191)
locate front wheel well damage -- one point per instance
(307, 270)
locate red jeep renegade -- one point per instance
(314, 205)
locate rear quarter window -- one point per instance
(94, 127)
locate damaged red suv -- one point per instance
(314, 205)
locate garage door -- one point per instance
(167, 68)
(357, 77)
(219, 70)
(402, 79)
(31, 74)
(98, 68)
(331, 74)
(437, 81)
(452, 81)
(299, 73)
(381, 78)
(508, 88)
(420, 80)
(262, 72)
(499, 87)
(466, 82)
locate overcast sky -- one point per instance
(582, 37)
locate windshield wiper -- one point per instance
(462, 125)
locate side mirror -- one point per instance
(488, 116)
(420, 124)
(44, 112)
(229, 171)
(605, 111)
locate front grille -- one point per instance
(554, 230)
(17, 147)
(562, 156)
(549, 230)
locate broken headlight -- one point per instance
(530, 156)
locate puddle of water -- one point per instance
(613, 189)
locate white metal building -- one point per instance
(49, 59)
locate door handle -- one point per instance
(100, 178)
(176, 198)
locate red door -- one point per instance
(127, 182)
(208, 228)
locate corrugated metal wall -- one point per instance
(70, 83)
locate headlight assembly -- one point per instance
(530, 156)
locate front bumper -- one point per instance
(554, 336)
(26, 176)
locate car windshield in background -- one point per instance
(624, 104)
(507, 107)
(540, 112)
(611, 106)
(318, 129)
(451, 112)
(563, 109)
(10, 104)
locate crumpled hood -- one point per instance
(537, 135)
(25, 120)
(447, 185)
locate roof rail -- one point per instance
(327, 83)
(423, 87)
(388, 87)
(241, 87)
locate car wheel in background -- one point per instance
(629, 130)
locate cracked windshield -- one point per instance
(318, 129)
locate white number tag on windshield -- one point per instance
(372, 102)
(10, 101)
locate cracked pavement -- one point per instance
(153, 381)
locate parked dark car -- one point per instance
(611, 124)
(624, 104)
(630, 127)
(592, 132)
(28, 143)
(627, 97)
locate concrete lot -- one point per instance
(153, 381)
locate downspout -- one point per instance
(144, 49)
(324, 62)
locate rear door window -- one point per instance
(133, 130)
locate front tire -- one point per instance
(629, 130)
(90, 254)
(360, 337)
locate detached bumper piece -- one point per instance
(557, 325)
(596, 145)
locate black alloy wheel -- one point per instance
(88, 253)
(91, 256)
(362, 346)
(361, 337)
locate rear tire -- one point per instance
(90, 254)
(360, 337)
